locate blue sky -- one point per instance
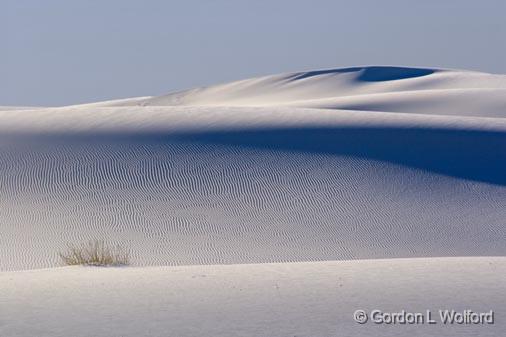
(58, 52)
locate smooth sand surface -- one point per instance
(349, 164)
(316, 299)
(373, 88)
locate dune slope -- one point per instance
(245, 198)
(250, 175)
(203, 185)
(372, 88)
(314, 299)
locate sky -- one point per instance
(60, 52)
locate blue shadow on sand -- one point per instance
(469, 154)
(370, 73)
(473, 155)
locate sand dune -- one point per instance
(7, 108)
(393, 89)
(287, 299)
(198, 185)
(344, 164)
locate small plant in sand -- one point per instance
(95, 253)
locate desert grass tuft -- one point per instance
(95, 253)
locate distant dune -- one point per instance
(390, 89)
(374, 162)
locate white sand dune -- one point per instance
(243, 185)
(314, 299)
(345, 164)
(7, 108)
(393, 89)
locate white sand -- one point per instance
(7, 108)
(187, 185)
(314, 299)
(393, 89)
(263, 170)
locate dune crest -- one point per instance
(245, 173)
(371, 88)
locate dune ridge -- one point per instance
(246, 173)
(372, 88)
(274, 206)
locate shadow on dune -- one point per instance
(469, 154)
(370, 74)
(473, 155)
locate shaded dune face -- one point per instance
(472, 155)
(370, 74)
(244, 196)
(267, 180)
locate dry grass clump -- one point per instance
(95, 253)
